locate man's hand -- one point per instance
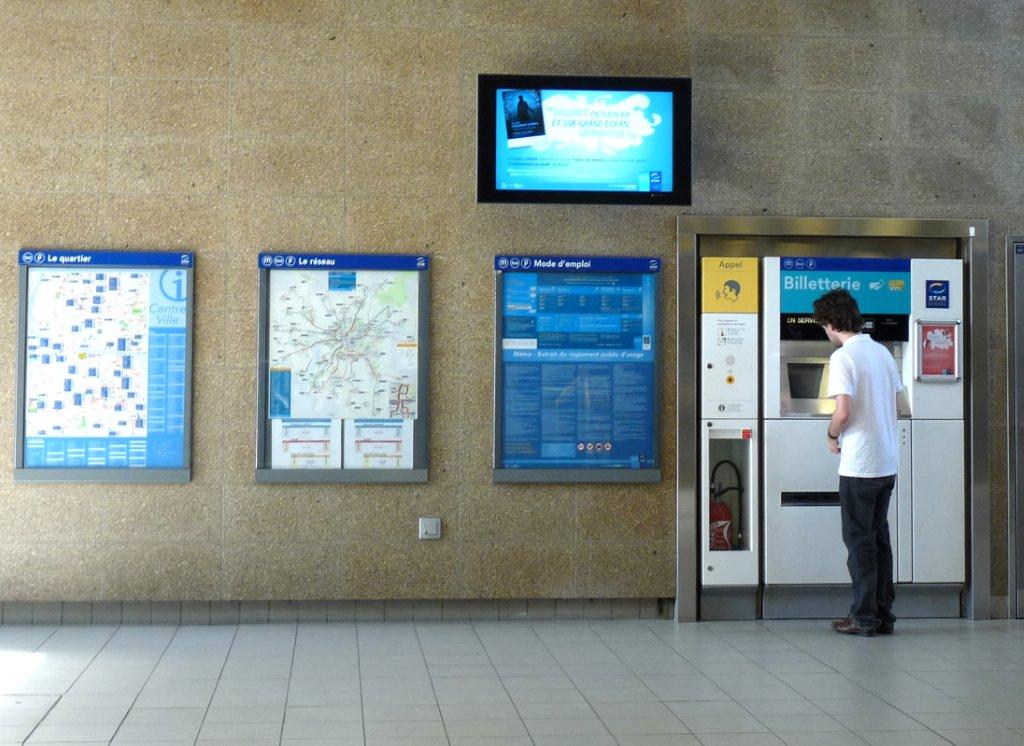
(837, 423)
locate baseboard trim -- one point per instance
(311, 612)
(920, 600)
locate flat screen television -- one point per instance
(584, 140)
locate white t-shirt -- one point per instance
(866, 371)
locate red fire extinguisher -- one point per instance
(720, 515)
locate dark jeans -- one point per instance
(864, 504)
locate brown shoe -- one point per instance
(850, 627)
(840, 623)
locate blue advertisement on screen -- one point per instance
(572, 140)
(106, 363)
(578, 369)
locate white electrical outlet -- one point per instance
(430, 527)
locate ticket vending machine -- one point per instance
(913, 307)
(936, 319)
(730, 438)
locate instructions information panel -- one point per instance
(105, 367)
(578, 363)
(343, 360)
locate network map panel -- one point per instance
(104, 380)
(342, 367)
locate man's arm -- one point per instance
(837, 423)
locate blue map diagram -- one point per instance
(105, 368)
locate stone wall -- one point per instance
(227, 127)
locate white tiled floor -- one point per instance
(558, 682)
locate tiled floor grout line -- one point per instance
(959, 667)
(501, 679)
(54, 704)
(784, 683)
(572, 680)
(139, 693)
(770, 673)
(206, 712)
(640, 678)
(868, 691)
(910, 673)
(291, 670)
(359, 673)
(426, 666)
(50, 636)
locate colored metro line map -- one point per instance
(343, 344)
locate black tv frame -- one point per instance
(681, 88)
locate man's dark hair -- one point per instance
(838, 308)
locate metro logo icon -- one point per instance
(936, 294)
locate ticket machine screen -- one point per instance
(807, 380)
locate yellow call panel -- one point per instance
(729, 284)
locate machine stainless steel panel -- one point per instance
(903, 540)
(802, 506)
(739, 442)
(729, 372)
(933, 399)
(801, 513)
(1015, 422)
(938, 501)
(687, 442)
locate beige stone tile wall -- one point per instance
(227, 127)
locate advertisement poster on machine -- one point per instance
(938, 350)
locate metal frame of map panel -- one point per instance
(421, 427)
(572, 475)
(23, 474)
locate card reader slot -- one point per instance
(810, 499)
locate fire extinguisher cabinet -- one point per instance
(729, 506)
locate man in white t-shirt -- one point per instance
(863, 381)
